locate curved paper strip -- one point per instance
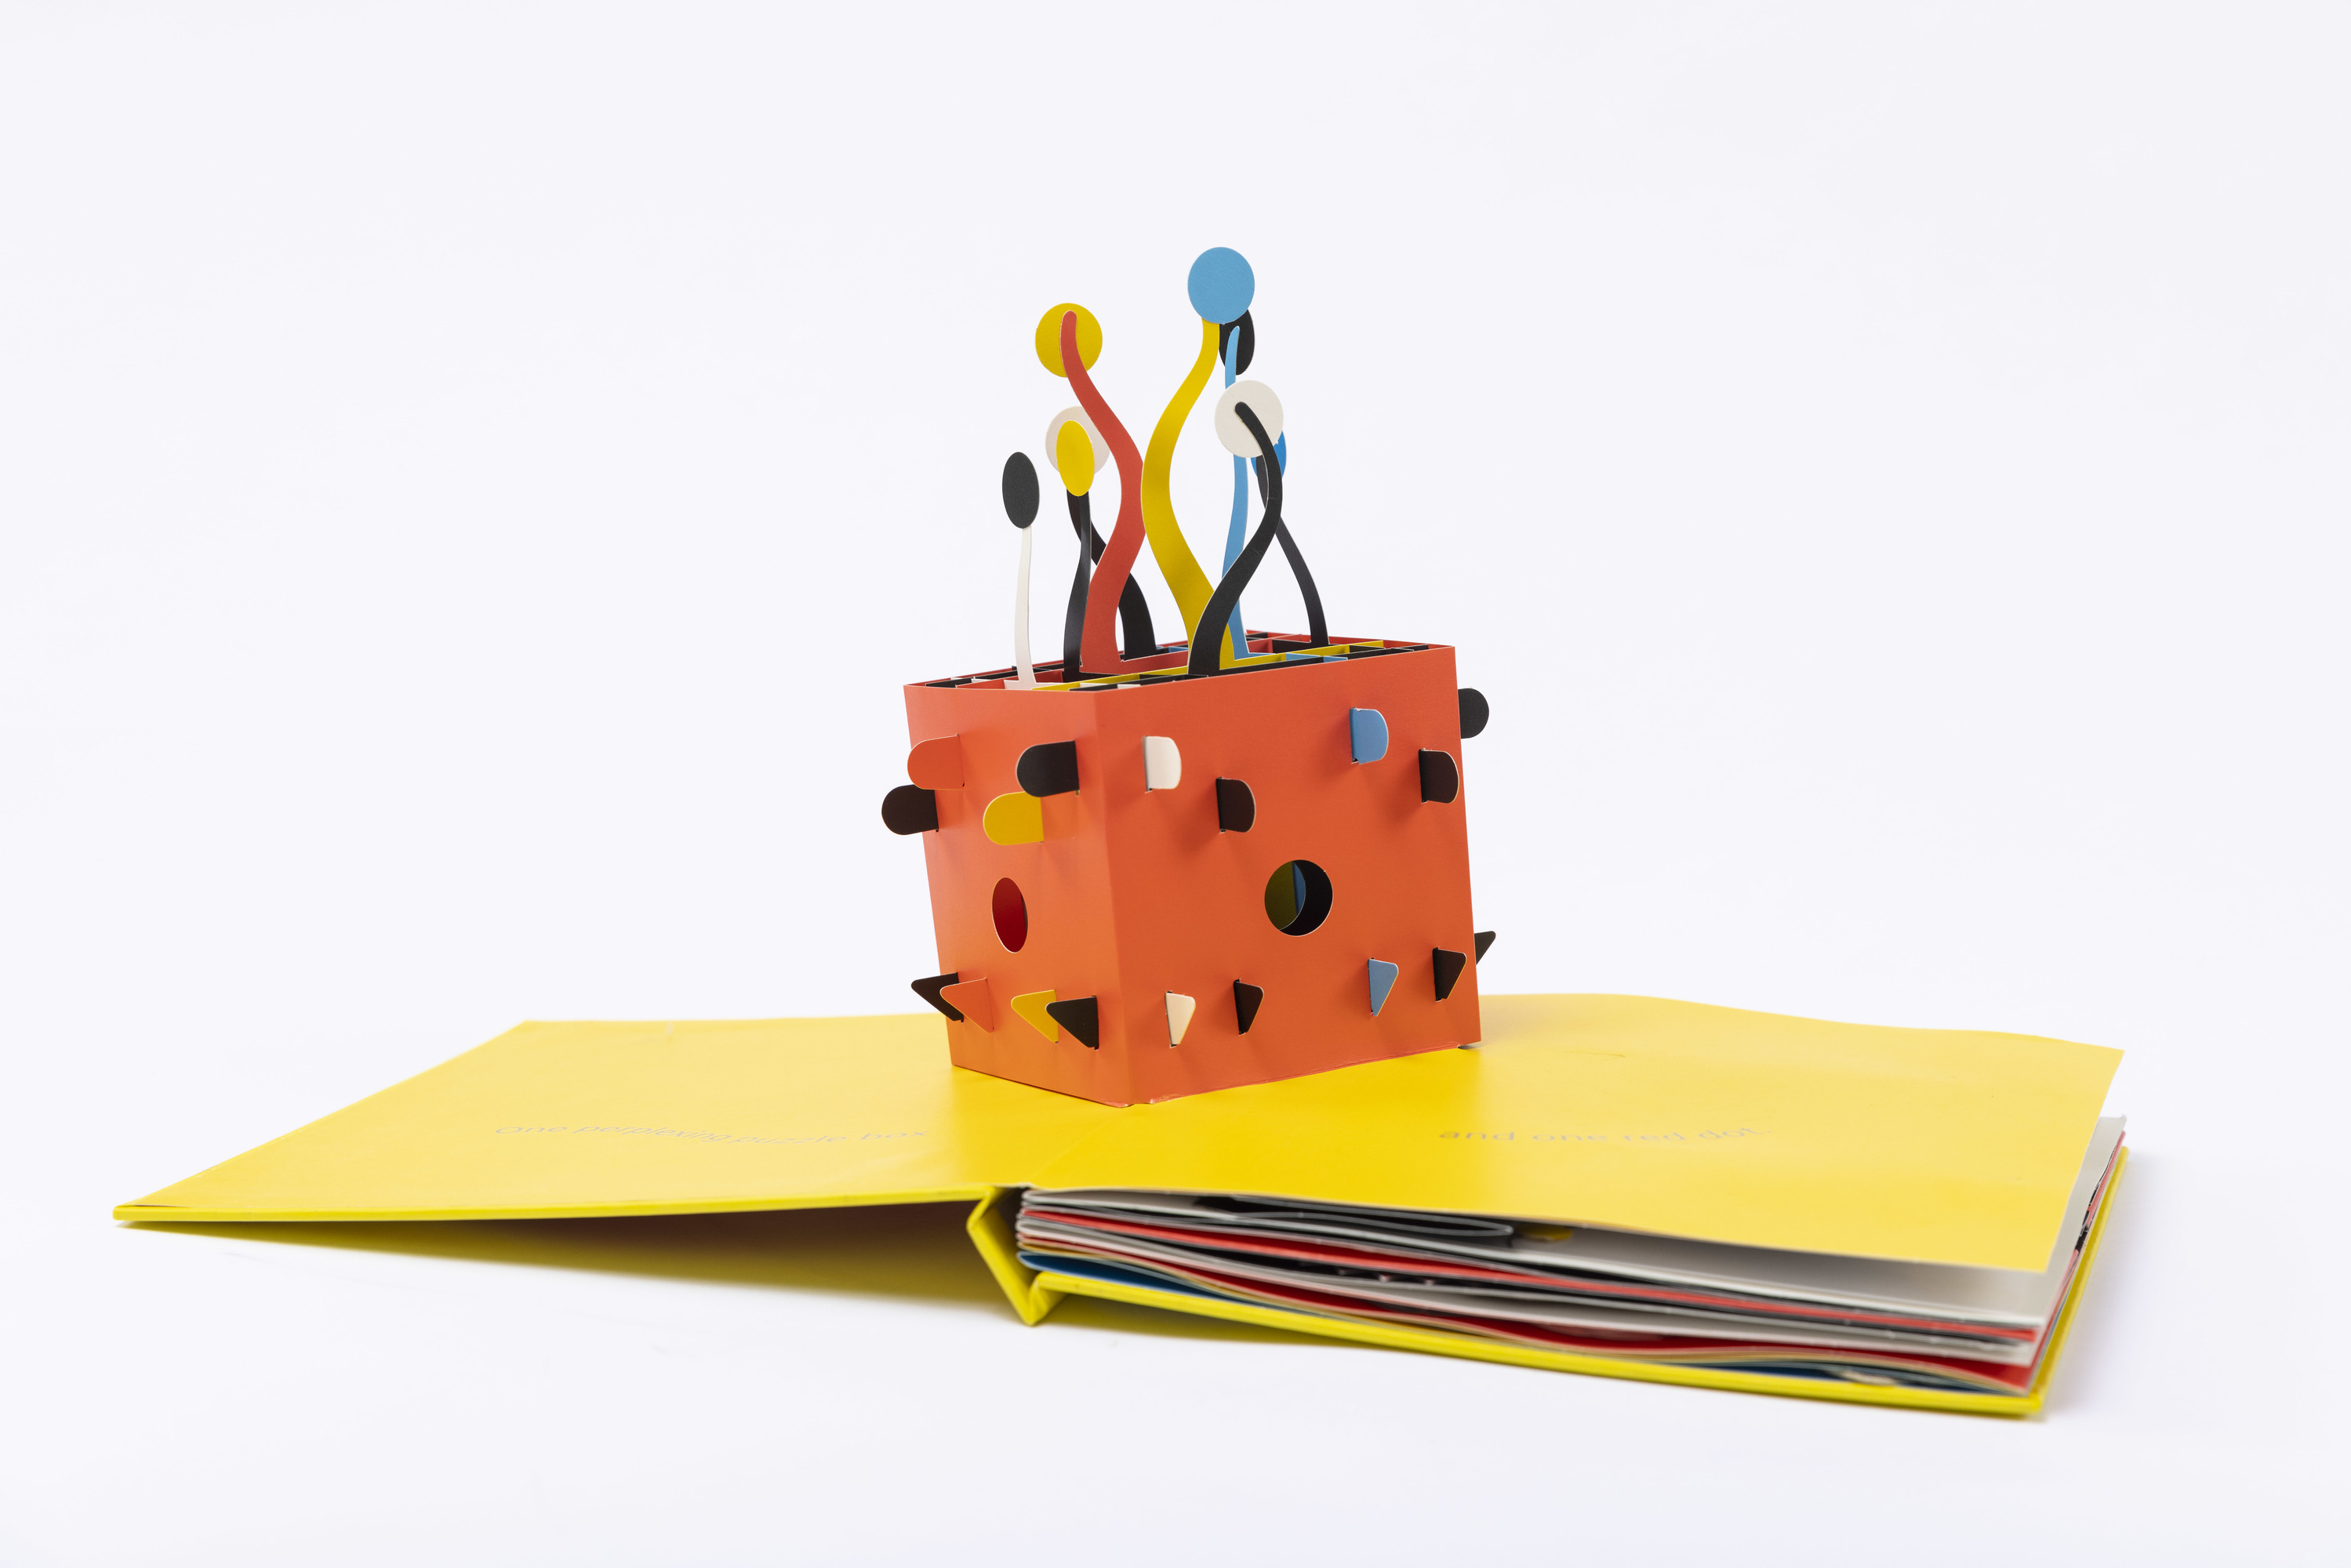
(1050, 769)
(1207, 652)
(1234, 347)
(1176, 563)
(1082, 1017)
(1134, 614)
(1180, 1008)
(1484, 939)
(1073, 619)
(1024, 668)
(936, 763)
(1246, 999)
(910, 808)
(1449, 966)
(1015, 818)
(1033, 1007)
(1367, 734)
(1126, 537)
(1382, 977)
(1440, 777)
(1317, 630)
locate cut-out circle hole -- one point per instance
(1011, 912)
(1298, 897)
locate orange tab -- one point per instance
(936, 763)
(971, 998)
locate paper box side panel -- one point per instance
(1064, 882)
(1190, 902)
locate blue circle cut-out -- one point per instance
(1221, 285)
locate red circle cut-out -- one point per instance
(1011, 912)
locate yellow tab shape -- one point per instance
(1073, 455)
(1031, 1006)
(1015, 818)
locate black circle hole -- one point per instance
(1011, 912)
(1298, 897)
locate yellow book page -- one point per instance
(1938, 1146)
(565, 1119)
(1654, 1115)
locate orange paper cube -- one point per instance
(1286, 841)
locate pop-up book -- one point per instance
(1204, 949)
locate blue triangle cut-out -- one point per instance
(1384, 979)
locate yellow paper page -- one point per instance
(558, 1119)
(1939, 1145)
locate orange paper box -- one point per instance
(1293, 830)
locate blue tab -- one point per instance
(1367, 734)
(1384, 978)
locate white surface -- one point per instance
(1890, 475)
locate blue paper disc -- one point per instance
(1221, 285)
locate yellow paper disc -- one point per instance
(1073, 454)
(1049, 338)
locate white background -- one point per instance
(473, 479)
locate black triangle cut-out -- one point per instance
(929, 989)
(1448, 965)
(1246, 999)
(1081, 1017)
(1485, 939)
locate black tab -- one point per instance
(1081, 1017)
(1440, 777)
(1248, 330)
(1474, 712)
(1236, 807)
(1020, 493)
(929, 991)
(1246, 999)
(1450, 966)
(1048, 769)
(1485, 940)
(910, 808)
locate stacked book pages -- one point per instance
(1659, 1301)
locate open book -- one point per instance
(1611, 1184)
